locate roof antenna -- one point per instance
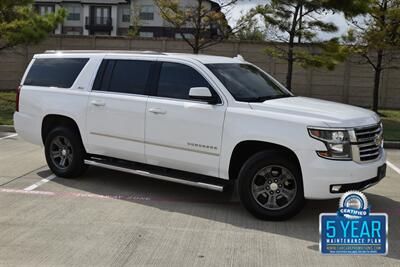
(240, 57)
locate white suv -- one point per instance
(199, 120)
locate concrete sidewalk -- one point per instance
(111, 218)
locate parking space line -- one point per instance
(8, 136)
(394, 167)
(41, 182)
(18, 177)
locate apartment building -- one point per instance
(90, 17)
(114, 17)
(153, 25)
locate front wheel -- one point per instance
(65, 153)
(270, 186)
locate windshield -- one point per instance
(247, 83)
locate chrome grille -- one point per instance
(369, 141)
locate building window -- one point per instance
(45, 9)
(72, 33)
(146, 34)
(188, 36)
(146, 12)
(74, 13)
(126, 14)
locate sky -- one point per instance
(245, 5)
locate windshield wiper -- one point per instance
(264, 98)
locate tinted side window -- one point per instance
(177, 79)
(57, 72)
(99, 84)
(129, 76)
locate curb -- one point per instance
(386, 144)
(7, 128)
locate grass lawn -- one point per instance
(391, 118)
(7, 107)
(391, 124)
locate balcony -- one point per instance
(99, 23)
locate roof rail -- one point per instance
(103, 51)
(240, 57)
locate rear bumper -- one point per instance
(320, 175)
(28, 128)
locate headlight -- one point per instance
(337, 142)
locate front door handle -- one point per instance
(98, 103)
(158, 111)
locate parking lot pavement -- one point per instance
(111, 218)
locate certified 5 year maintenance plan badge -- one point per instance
(353, 229)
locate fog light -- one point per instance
(336, 188)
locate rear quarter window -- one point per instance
(55, 72)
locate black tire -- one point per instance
(70, 141)
(259, 164)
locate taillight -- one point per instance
(17, 98)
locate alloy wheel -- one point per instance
(61, 152)
(274, 187)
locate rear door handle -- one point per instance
(98, 103)
(158, 111)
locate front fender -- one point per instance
(250, 125)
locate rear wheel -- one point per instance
(65, 153)
(270, 186)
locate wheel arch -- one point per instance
(245, 149)
(50, 121)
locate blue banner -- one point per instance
(365, 235)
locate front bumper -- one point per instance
(320, 175)
(343, 188)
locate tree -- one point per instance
(20, 24)
(249, 29)
(199, 25)
(299, 22)
(135, 22)
(374, 37)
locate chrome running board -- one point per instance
(156, 174)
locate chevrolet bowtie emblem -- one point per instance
(378, 140)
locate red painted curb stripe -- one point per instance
(120, 197)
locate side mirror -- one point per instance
(202, 94)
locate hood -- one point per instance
(329, 113)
